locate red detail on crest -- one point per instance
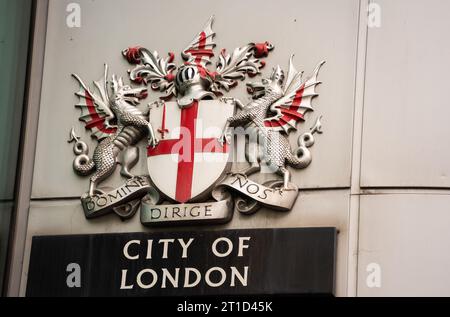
(171, 57)
(143, 95)
(200, 53)
(96, 121)
(185, 172)
(138, 80)
(170, 77)
(202, 71)
(261, 50)
(201, 47)
(133, 55)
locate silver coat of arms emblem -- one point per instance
(189, 133)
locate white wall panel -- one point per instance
(407, 236)
(406, 129)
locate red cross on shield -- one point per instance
(189, 161)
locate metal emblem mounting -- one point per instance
(189, 152)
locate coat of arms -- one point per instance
(190, 134)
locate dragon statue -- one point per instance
(116, 140)
(275, 111)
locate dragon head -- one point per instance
(271, 85)
(122, 92)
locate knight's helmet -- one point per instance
(192, 84)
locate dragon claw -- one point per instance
(153, 142)
(225, 138)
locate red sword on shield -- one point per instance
(163, 130)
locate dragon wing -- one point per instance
(298, 95)
(200, 50)
(95, 112)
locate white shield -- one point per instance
(189, 160)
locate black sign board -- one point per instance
(234, 262)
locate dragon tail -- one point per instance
(301, 159)
(82, 164)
